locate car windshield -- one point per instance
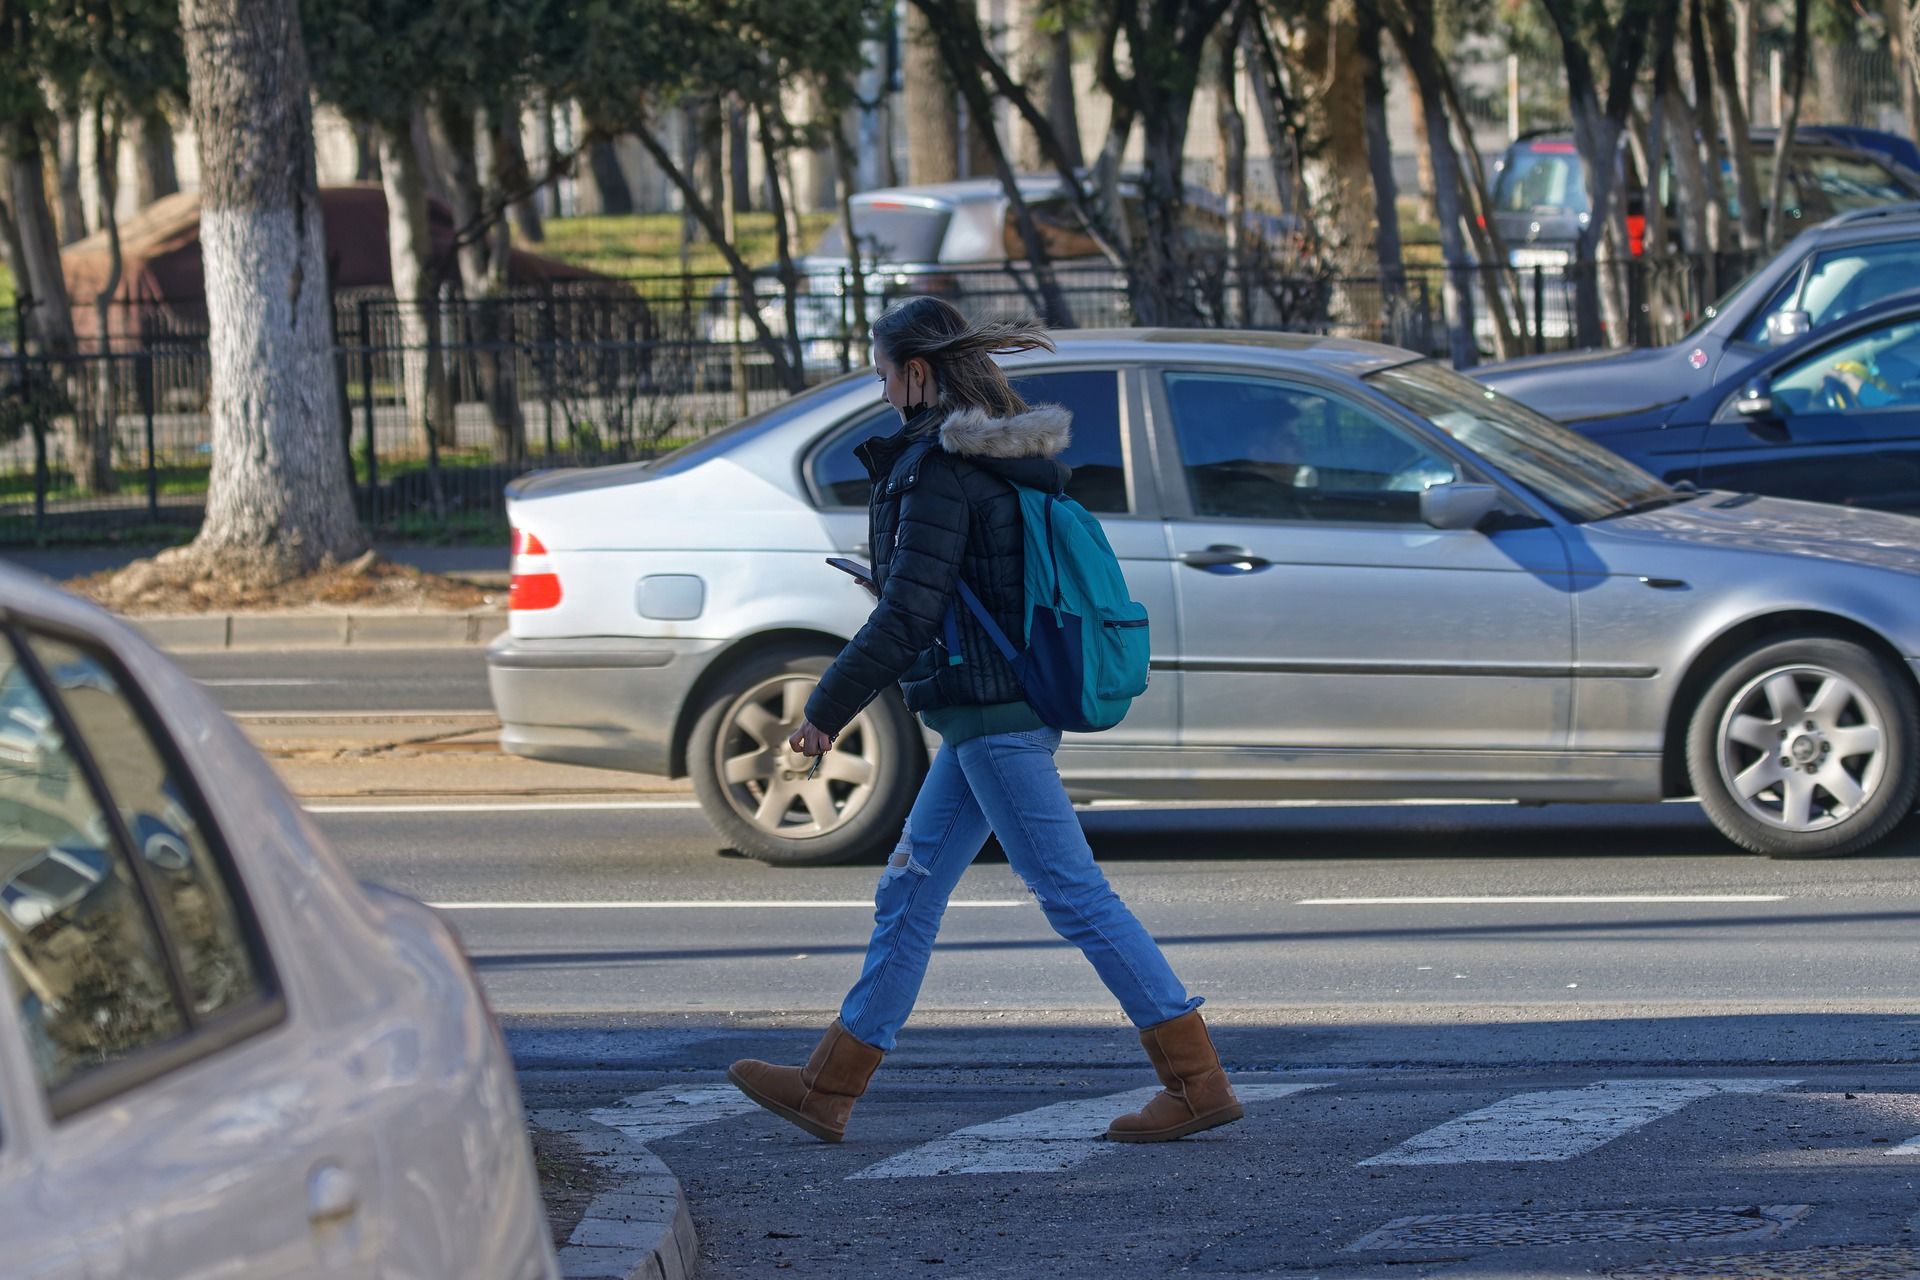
(1577, 477)
(889, 232)
(1542, 181)
(739, 433)
(1847, 182)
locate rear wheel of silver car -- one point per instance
(756, 791)
(1805, 748)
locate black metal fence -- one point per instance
(437, 410)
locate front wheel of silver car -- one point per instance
(1804, 747)
(757, 792)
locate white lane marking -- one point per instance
(1049, 1139)
(863, 904)
(661, 1113)
(1561, 1123)
(612, 806)
(372, 716)
(1911, 1147)
(1542, 897)
(265, 682)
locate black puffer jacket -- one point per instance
(944, 507)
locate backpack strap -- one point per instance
(985, 619)
(952, 625)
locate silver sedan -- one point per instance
(1368, 577)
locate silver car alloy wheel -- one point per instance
(1802, 747)
(765, 781)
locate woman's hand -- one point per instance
(809, 740)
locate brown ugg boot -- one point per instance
(1197, 1095)
(819, 1096)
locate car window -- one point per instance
(84, 961)
(1879, 369)
(1841, 282)
(190, 885)
(1542, 181)
(1256, 449)
(1099, 481)
(1849, 182)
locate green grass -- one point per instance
(17, 486)
(648, 244)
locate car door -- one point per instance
(38, 1246)
(192, 1130)
(1838, 424)
(1318, 613)
(1107, 427)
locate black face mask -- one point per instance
(915, 408)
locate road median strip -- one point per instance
(182, 633)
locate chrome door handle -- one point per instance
(1221, 558)
(332, 1196)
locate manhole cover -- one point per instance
(1842, 1262)
(1582, 1226)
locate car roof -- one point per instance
(1333, 355)
(964, 191)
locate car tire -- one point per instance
(1804, 747)
(753, 788)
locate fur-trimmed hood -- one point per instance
(1043, 431)
(1022, 449)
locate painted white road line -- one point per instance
(371, 717)
(1911, 1147)
(1049, 1139)
(661, 1113)
(264, 682)
(688, 904)
(531, 806)
(1561, 1123)
(1541, 898)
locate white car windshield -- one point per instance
(1577, 477)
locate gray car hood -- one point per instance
(1776, 526)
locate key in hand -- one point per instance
(816, 766)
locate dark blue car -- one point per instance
(1832, 416)
(1824, 275)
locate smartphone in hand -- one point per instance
(860, 573)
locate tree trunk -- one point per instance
(1783, 141)
(857, 347)
(73, 210)
(1720, 232)
(609, 182)
(1900, 36)
(90, 447)
(1416, 47)
(549, 149)
(772, 130)
(1734, 125)
(416, 292)
(1044, 65)
(155, 173)
(279, 488)
(1231, 126)
(1386, 212)
(43, 285)
(483, 258)
(1836, 83)
(933, 120)
(1335, 171)
(513, 175)
(738, 144)
(1423, 175)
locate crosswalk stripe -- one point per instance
(661, 1113)
(1559, 1124)
(1049, 1139)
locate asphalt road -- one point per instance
(343, 680)
(1668, 1052)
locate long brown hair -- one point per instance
(960, 351)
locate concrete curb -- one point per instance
(199, 632)
(639, 1230)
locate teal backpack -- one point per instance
(1085, 657)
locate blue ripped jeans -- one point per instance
(1004, 784)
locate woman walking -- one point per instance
(944, 508)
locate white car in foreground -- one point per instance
(219, 1054)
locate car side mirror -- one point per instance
(1458, 505)
(1754, 401)
(1784, 326)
